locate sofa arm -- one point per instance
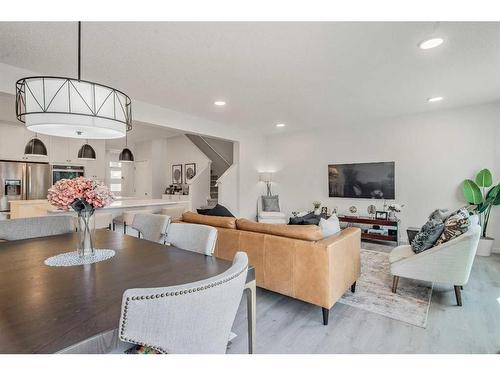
(344, 261)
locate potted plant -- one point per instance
(393, 208)
(483, 196)
(317, 207)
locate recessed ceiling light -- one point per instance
(435, 99)
(280, 125)
(220, 103)
(431, 43)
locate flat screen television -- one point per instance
(361, 180)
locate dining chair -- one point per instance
(152, 227)
(193, 237)
(189, 318)
(32, 227)
(127, 218)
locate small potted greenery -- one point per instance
(317, 207)
(482, 195)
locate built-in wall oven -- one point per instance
(60, 172)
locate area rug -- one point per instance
(373, 292)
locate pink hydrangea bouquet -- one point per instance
(80, 194)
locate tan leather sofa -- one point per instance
(293, 260)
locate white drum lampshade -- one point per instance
(67, 107)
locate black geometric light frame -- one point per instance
(120, 106)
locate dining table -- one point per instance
(75, 309)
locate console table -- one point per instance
(371, 221)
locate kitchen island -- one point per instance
(27, 208)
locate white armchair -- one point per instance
(269, 217)
(450, 262)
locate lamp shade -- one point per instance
(266, 176)
(126, 156)
(35, 147)
(86, 152)
(67, 107)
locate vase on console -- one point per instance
(83, 195)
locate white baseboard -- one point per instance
(496, 250)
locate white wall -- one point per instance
(180, 150)
(433, 152)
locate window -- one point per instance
(116, 174)
(115, 177)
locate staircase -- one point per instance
(214, 190)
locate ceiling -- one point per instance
(301, 74)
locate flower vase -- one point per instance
(86, 233)
(85, 227)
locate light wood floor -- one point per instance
(285, 325)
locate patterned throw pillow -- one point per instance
(429, 233)
(140, 349)
(454, 226)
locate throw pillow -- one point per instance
(429, 233)
(141, 349)
(457, 224)
(219, 210)
(270, 203)
(203, 211)
(329, 227)
(439, 214)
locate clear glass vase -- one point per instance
(86, 233)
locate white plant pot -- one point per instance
(317, 211)
(485, 246)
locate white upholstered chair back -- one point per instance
(193, 237)
(450, 262)
(32, 227)
(190, 318)
(152, 227)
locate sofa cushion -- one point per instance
(218, 210)
(330, 226)
(270, 203)
(300, 232)
(457, 224)
(427, 236)
(214, 221)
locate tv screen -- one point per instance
(363, 180)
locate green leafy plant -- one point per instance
(482, 195)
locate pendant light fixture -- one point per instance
(86, 152)
(68, 107)
(126, 155)
(35, 147)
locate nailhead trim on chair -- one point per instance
(167, 294)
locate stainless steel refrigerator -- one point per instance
(22, 181)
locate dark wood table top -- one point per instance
(45, 309)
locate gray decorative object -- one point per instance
(353, 209)
(427, 236)
(373, 292)
(270, 203)
(74, 259)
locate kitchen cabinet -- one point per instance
(13, 139)
(96, 169)
(65, 150)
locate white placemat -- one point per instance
(73, 259)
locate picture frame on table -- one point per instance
(324, 210)
(177, 174)
(189, 171)
(381, 215)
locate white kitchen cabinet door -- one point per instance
(96, 169)
(13, 139)
(58, 153)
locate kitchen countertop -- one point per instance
(128, 203)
